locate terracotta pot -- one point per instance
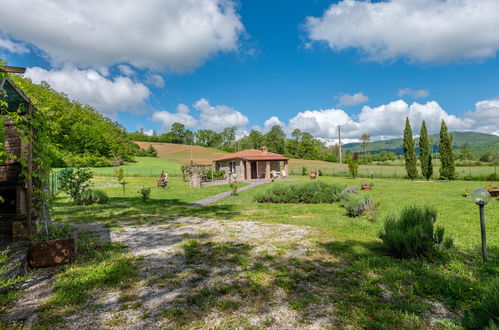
(494, 192)
(313, 175)
(364, 186)
(53, 252)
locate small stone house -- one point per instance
(252, 164)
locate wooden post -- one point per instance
(286, 167)
(248, 170)
(267, 170)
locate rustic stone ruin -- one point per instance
(17, 215)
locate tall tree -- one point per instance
(409, 153)
(177, 133)
(256, 139)
(365, 141)
(275, 139)
(228, 136)
(447, 169)
(425, 153)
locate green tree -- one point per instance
(353, 164)
(308, 147)
(465, 150)
(177, 132)
(228, 136)
(425, 153)
(409, 153)
(447, 169)
(275, 140)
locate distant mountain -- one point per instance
(478, 142)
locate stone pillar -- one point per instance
(267, 170)
(286, 167)
(248, 170)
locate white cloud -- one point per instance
(219, 117)
(415, 93)
(11, 46)
(155, 80)
(422, 30)
(107, 96)
(149, 132)
(486, 116)
(215, 117)
(272, 121)
(126, 70)
(353, 99)
(175, 35)
(388, 120)
(181, 116)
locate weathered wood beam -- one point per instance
(12, 69)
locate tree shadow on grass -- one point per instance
(122, 209)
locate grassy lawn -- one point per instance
(347, 273)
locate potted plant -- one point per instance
(53, 244)
(366, 186)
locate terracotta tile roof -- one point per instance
(252, 154)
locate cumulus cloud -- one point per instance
(108, 96)
(11, 46)
(415, 93)
(175, 35)
(353, 99)
(180, 116)
(388, 120)
(219, 116)
(212, 117)
(485, 116)
(422, 31)
(272, 121)
(126, 70)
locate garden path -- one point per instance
(200, 272)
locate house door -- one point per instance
(253, 171)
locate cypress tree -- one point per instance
(447, 170)
(409, 153)
(425, 153)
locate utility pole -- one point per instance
(339, 144)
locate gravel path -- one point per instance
(174, 288)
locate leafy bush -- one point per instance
(486, 314)
(92, 196)
(216, 175)
(412, 232)
(233, 188)
(310, 192)
(145, 194)
(357, 205)
(148, 152)
(304, 171)
(347, 191)
(353, 165)
(52, 231)
(74, 182)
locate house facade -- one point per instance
(252, 164)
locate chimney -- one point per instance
(263, 149)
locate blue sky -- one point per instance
(311, 64)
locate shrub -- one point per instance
(52, 231)
(353, 165)
(216, 175)
(74, 182)
(347, 191)
(233, 188)
(357, 205)
(145, 194)
(304, 171)
(92, 196)
(412, 232)
(486, 314)
(310, 192)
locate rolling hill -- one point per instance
(478, 142)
